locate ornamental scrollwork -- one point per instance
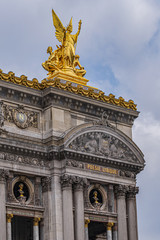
(20, 117)
(4, 174)
(103, 144)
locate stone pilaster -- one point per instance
(79, 208)
(68, 227)
(86, 221)
(48, 211)
(9, 228)
(36, 228)
(110, 198)
(3, 176)
(132, 212)
(120, 191)
(109, 230)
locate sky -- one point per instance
(119, 46)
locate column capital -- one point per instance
(9, 217)
(79, 183)
(67, 180)
(4, 174)
(110, 225)
(132, 191)
(120, 190)
(86, 222)
(46, 184)
(36, 221)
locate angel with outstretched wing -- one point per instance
(68, 40)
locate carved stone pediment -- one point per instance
(109, 144)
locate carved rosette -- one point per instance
(46, 184)
(4, 174)
(132, 191)
(120, 191)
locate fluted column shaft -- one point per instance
(79, 210)
(121, 210)
(132, 213)
(68, 226)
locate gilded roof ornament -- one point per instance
(63, 62)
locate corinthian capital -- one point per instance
(120, 190)
(132, 191)
(67, 180)
(4, 174)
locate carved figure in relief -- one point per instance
(91, 145)
(64, 58)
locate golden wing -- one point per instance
(58, 26)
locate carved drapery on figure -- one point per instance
(64, 59)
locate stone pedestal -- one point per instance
(132, 213)
(79, 210)
(121, 210)
(9, 228)
(68, 228)
(36, 228)
(87, 221)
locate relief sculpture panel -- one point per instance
(103, 144)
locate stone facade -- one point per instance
(68, 166)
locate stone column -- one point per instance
(87, 221)
(121, 210)
(109, 230)
(79, 208)
(3, 175)
(115, 235)
(132, 213)
(9, 229)
(36, 228)
(48, 211)
(68, 229)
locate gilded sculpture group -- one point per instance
(64, 58)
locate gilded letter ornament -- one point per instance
(63, 62)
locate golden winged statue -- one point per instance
(63, 59)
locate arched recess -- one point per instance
(105, 143)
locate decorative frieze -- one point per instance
(74, 163)
(19, 159)
(46, 184)
(127, 174)
(20, 117)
